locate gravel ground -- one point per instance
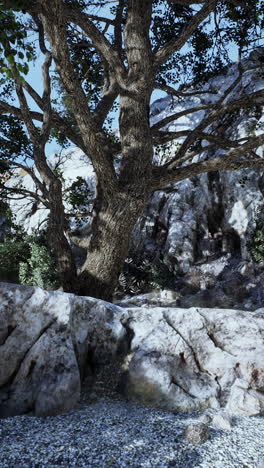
(112, 433)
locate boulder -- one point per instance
(48, 342)
(193, 359)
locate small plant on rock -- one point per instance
(257, 247)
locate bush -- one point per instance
(28, 261)
(25, 258)
(39, 269)
(145, 275)
(257, 246)
(11, 254)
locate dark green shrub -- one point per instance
(28, 261)
(257, 245)
(11, 254)
(39, 269)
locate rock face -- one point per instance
(48, 342)
(192, 359)
(213, 213)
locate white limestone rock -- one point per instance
(220, 419)
(192, 359)
(47, 340)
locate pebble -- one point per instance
(109, 433)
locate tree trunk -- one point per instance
(111, 232)
(58, 241)
(117, 210)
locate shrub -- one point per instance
(257, 245)
(39, 269)
(28, 261)
(11, 254)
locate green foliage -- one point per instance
(257, 245)
(25, 257)
(15, 48)
(13, 138)
(207, 53)
(78, 193)
(162, 276)
(15, 232)
(11, 254)
(39, 269)
(30, 261)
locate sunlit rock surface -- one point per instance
(48, 342)
(192, 359)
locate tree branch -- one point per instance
(110, 93)
(177, 115)
(118, 27)
(229, 161)
(101, 44)
(246, 101)
(216, 106)
(160, 138)
(57, 122)
(176, 44)
(26, 193)
(95, 141)
(30, 172)
(47, 110)
(174, 92)
(6, 108)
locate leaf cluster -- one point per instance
(15, 48)
(257, 246)
(13, 138)
(78, 193)
(208, 48)
(39, 269)
(26, 257)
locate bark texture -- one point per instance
(111, 232)
(58, 241)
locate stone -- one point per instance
(260, 463)
(196, 433)
(194, 359)
(244, 400)
(48, 343)
(217, 418)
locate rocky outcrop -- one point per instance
(178, 359)
(227, 282)
(208, 217)
(195, 358)
(49, 341)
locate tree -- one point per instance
(137, 47)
